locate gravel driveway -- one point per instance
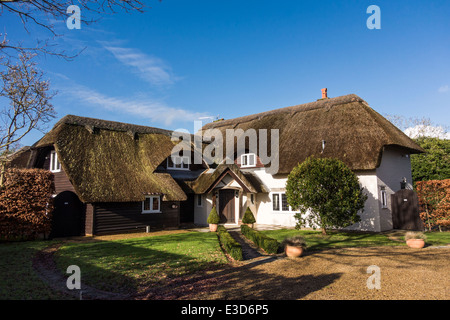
(338, 274)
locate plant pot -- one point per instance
(293, 251)
(415, 243)
(213, 227)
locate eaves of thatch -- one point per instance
(353, 132)
(210, 178)
(113, 162)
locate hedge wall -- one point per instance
(269, 245)
(25, 204)
(231, 246)
(434, 202)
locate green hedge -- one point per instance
(261, 240)
(231, 246)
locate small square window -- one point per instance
(151, 204)
(178, 163)
(248, 160)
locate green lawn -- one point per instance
(18, 280)
(438, 238)
(316, 241)
(123, 265)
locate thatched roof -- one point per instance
(209, 178)
(353, 132)
(20, 158)
(113, 162)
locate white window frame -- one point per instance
(199, 198)
(247, 157)
(55, 165)
(150, 198)
(280, 203)
(185, 161)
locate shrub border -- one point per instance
(231, 246)
(269, 245)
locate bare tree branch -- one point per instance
(43, 13)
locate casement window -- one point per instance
(178, 163)
(151, 204)
(199, 200)
(252, 198)
(279, 202)
(248, 160)
(383, 198)
(55, 165)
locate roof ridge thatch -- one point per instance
(321, 103)
(352, 130)
(110, 125)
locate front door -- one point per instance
(226, 206)
(405, 210)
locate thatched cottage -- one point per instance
(112, 177)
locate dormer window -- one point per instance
(248, 160)
(178, 163)
(55, 165)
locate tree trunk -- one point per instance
(2, 171)
(324, 231)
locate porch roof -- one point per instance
(211, 177)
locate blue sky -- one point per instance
(184, 60)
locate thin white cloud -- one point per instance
(443, 89)
(153, 110)
(150, 68)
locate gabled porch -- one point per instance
(230, 190)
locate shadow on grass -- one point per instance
(124, 266)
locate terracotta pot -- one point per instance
(415, 243)
(293, 252)
(212, 227)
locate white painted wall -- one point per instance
(395, 165)
(201, 213)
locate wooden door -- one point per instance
(226, 206)
(405, 210)
(67, 216)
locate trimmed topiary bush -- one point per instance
(248, 218)
(213, 217)
(269, 245)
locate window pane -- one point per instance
(52, 161)
(199, 200)
(147, 204)
(244, 160)
(185, 162)
(155, 204)
(284, 204)
(251, 159)
(276, 202)
(169, 162)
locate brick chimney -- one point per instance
(324, 93)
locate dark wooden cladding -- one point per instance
(128, 216)
(62, 182)
(89, 223)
